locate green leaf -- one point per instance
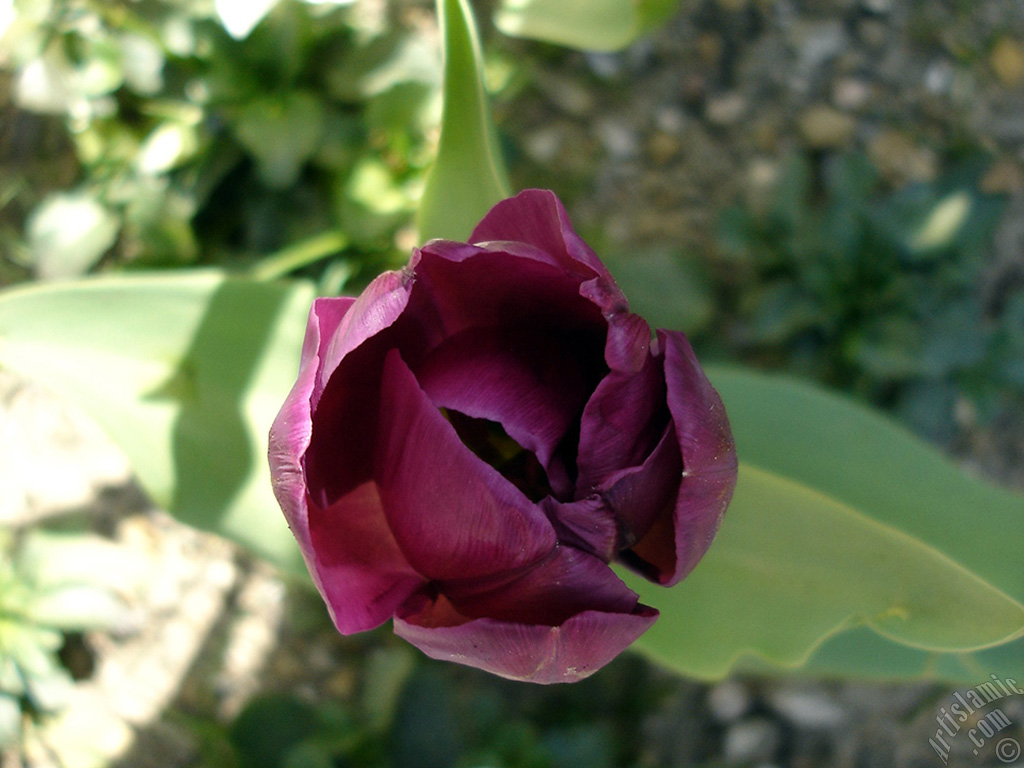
(468, 176)
(270, 726)
(875, 657)
(185, 372)
(843, 520)
(792, 567)
(592, 25)
(282, 133)
(860, 458)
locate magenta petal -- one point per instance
(453, 515)
(523, 384)
(377, 308)
(628, 343)
(708, 452)
(622, 422)
(568, 581)
(460, 286)
(644, 499)
(361, 571)
(586, 524)
(292, 428)
(530, 652)
(538, 218)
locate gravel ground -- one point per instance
(660, 137)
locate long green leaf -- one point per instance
(592, 25)
(185, 372)
(468, 176)
(791, 568)
(851, 548)
(862, 459)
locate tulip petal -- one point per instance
(292, 428)
(621, 424)
(460, 286)
(529, 652)
(361, 571)
(521, 383)
(538, 218)
(708, 452)
(586, 524)
(452, 514)
(377, 308)
(567, 582)
(644, 498)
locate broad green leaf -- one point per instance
(843, 521)
(791, 567)
(860, 458)
(870, 655)
(185, 372)
(468, 176)
(592, 25)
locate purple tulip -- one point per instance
(475, 438)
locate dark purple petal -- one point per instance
(292, 428)
(453, 515)
(587, 524)
(360, 570)
(622, 422)
(709, 458)
(377, 308)
(459, 286)
(628, 344)
(538, 218)
(566, 582)
(643, 498)
(525, 386)
(528, 652)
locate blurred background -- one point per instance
(833, 189)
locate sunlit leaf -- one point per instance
(595, 25)
(943, 222)
(69, 233)
(185, 372)
(468, 176)
(240, 17)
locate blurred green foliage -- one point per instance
(143, 134)
(428, 717)
(873, 290)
